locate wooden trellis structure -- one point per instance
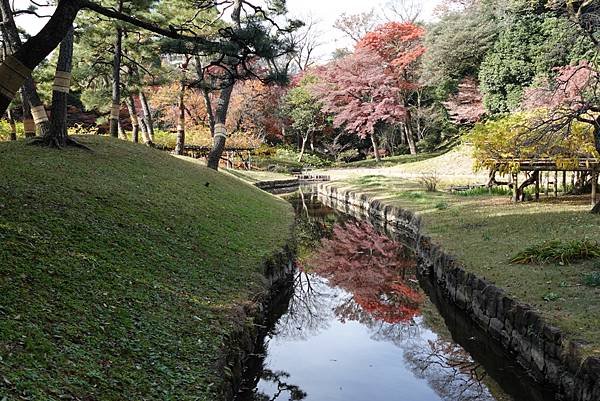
(589, 166)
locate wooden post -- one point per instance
(537, 185)
(547, 189)
(594, 186)
(556, 184)
(564, 182)
(515, 197)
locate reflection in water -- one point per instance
(358, 327)
(374, 269)
(281, 387)
(449, 369)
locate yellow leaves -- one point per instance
(505, 142)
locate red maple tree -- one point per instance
(371, 87)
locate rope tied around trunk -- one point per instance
(62, 81)
(12, 76)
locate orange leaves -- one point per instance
(399, 44)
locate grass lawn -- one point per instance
(485, 232)
(389, 161)
(257, 176)
(122, 271)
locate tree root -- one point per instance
(596, 209)
(54, 143)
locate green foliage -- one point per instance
(527, 50)
(558, 251)
(457, 45)
(285, 160)
(441, 205)
(551, 297)
(121, 272)
(5, 130)
(302, 108)
(483, 191)
(592, 279)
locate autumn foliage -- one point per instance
(398, 44)
(373, 268)
(368, 88)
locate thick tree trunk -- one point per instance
(29, 94)
(410, 136)
(135, 125)
(37, 108)
(28, 123)
(116, 82)
(209, 110)
(60, 93)
(375, 148)
(147, 116)
(180, 145)
(220, 136)
(35, 50)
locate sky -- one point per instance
(323, 12)
(326, 12)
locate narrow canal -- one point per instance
(359, 325)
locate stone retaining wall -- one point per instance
(539, 347)
(271, 186)
(247, 338)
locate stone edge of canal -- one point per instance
(514, 325)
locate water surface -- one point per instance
(357, 326)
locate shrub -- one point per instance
(557, 251)
(5, 130)
(592, 279)
(483, 191)
(441, 206)
(429, 181)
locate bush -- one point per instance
(429, 181)
(5, 130)
(592, 279)
(348, 155)
(483, 191)
(441, 206)
(557, 251)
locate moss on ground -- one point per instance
(121, 271)
(486, 232)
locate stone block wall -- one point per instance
(538, 346)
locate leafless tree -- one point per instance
(306, 41)
(403, 10)
(356, 26)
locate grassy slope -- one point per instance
(454, 166)
(258, 176)
(120, 271)
(485, 232)
(389, 161)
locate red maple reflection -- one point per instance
(373, 269)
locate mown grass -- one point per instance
(123, 272)
(257, 176)
(390, 161)
(485, 232)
